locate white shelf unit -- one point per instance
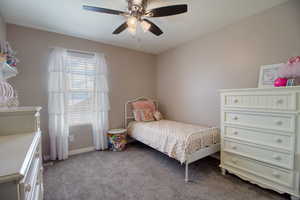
(7, 71)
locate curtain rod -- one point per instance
(76, 51)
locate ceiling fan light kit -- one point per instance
(132, 21)
(137, 14)
(132, 30)
(132, 24)
(145, 25)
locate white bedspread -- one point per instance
(175, 139)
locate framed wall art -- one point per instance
(268, 74)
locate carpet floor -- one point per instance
(141, 173)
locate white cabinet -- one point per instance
(260, 137)
(21, 171)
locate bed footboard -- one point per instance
(202, 153)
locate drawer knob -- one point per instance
(279, 101)
(277, 157)
(234, 147)
(236, 101)
(279, 140)
(276, 174)
(234, 160)
(235, 133)
(235, 118)
(279, 123)
(37, 154)
(27, 188)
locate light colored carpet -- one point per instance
(141, 173)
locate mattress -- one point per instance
(175, 139)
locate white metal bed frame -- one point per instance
(197, 155)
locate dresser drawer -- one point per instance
(38, 189)
(27, 184)
(284, 141)
(260, 120)
(36, 194)
(279, 176)
(278, 101)
(260, 153)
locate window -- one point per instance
(81, 86)
(77, 94)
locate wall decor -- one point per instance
(8, 62)
(268, 74)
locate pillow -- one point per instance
(157, 115)
(142, 105)
(145, 115)
(137, 115)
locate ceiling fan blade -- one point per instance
(167, 11)
(121, 28)
(104, 10)
(153, 28)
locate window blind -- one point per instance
(81, 85)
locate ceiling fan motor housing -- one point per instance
(137, 8)
(138, 2)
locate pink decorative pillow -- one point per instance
(157, 115)
(143, 110)
(137, 115)
(147, 115)
(142, 105)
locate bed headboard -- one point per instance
(128, 108)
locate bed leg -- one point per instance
(186, 172)
(224, 171)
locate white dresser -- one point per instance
(21, 175)
(260, 137)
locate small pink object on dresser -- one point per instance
(280, 82)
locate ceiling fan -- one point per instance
(137, 13)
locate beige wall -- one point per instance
(131, 74)
(2, 28)
(186, 80)
(189, 77)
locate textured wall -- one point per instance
(186, 80)
(2, 29)
(131, 74)
(189, 77)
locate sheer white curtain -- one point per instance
(70, 75)
(58, 104)
(100, 104)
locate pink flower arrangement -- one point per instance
(291, 69)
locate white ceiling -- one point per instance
(67, 17)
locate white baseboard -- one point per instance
(46, 157)
(82, 150)
(73, 152)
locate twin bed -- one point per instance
(186, 143)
